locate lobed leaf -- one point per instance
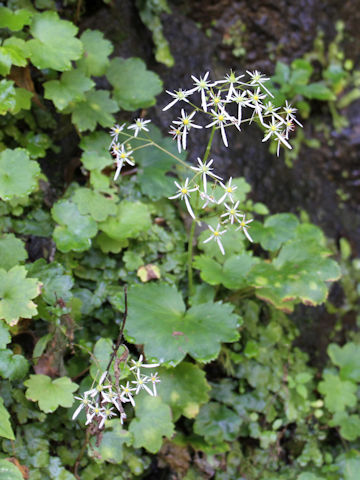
(18, 174)
(50, 394)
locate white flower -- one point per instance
(85, 402)
(242, 100)
(114, 132)
(244, 227)
(216, 100)
(258, 78)
(177, 134)
(140, 383)
(205, 169)
(137, 364)
(256, 102)
(216, 234)
(274, 129)
(232, 212)
(231, 79)
(186, 123)
(229, 189)
(122, 418)
(138, 126)
(99, 387)
(202, 85)
(154, 379)
(126, 394)
(94, 411)
(184, 194)
(111, 397)
(289, 110)
(105, 413)
(178, 96)
(220, 118)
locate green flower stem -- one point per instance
(193, 225)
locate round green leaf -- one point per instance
(14, 20)
(111, 448)
(16, 293)
(12, 251)
(151, 424)
(338, 393)
(54, 44)
(97, 107)
(13, 367)
(157, 319)
(347, 358)
(135, 86)
(96, 52)
(216, 423)
(18, 174)
(75, 230)
(184, 388)
(130, 220)
(95, 204)
(50, 393)
(70, 88)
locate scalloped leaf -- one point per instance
(157, 319)
(16, 294)
(14, 20)
(18, 174)
(96, 154)
(55, 283)
(111, 448)
(97, 49)
(97, 107)
(94, 203)
(131, 218)
(12, 251)
(46, 51)
(70, 88)
(184, 388)
(75, 230)
(347, 358)
(5, 426)
(338, 393)
(151, 424)
(275, 231)
(134, 86)
(50, 394)
(13, 366)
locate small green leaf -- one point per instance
(158, 320)
(18, 174)
(135, 86)
(12, 366)
(14, 20)
(349, 425)
(184, 388)
(96, 108)
(349, 465)
(347, 358)
(50, 394)
(338, 393)
(75, 230)
(56, 284)
(5, 425)
(112, 443)
(22, 100)
(16, 293)
(7, 96)
(317, 90)
(301, 71)
(96, 52)
(70, 88)
(8, 471)
(12, 251)
(216, 423)
(275, 231)
(46, 51)
(131, 218)
(17, 49)
(94, 203)
(151, 424)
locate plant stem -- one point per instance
(118, 341)
(193, 224)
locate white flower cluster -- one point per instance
(106, 400)
(216, 99)
(121, 151)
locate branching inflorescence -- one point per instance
(229, 102)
